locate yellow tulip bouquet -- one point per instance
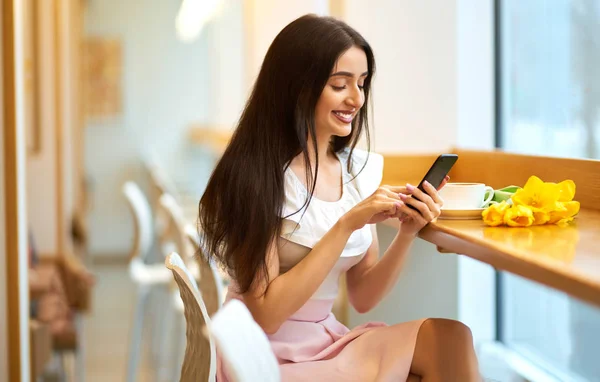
(537, 203)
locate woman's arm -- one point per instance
(286, 293)
(272, 304)
(369, 281)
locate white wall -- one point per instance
(166, 86)
(433, 90)
(264, 19)
(226, 63)
(475, 74)
(414, 92)
(426, 288)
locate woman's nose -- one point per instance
(354, 99)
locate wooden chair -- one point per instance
(147, 277)
(174, 240)
(159, 184)
(212, 284)
(199, 362)
(245, 350)
(243, 346)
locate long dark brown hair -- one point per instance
(240, 210)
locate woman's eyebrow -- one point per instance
(348, 74)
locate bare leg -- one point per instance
(444, 352)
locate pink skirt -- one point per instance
(312, 345)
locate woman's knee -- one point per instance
(446, 333)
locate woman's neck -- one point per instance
(323, 149)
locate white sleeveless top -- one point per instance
(302, 230)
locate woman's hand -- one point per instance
(428, 207)
(381, 205)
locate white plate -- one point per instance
(474, 213)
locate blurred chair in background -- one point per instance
(147, 276)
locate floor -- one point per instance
(107, 328)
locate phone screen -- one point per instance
(438, 171)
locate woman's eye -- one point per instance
(338, 88)
(361, 87)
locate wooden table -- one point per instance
(564, 258)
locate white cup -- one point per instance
(465, 196)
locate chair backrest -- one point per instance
(243, 346)
(200, 363)
(142, 218)
(211, 282)
(159, 184)
(149, 165)
(175, 227)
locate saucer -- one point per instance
(461, 214)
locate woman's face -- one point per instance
(343, 95)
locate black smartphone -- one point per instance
(437, 173)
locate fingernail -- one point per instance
(410, 187)
(399, 204)
(427, 183)
(447, 177)
(402, 196)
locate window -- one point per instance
(549, 104)
(550, 76)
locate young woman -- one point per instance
(292, 204)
